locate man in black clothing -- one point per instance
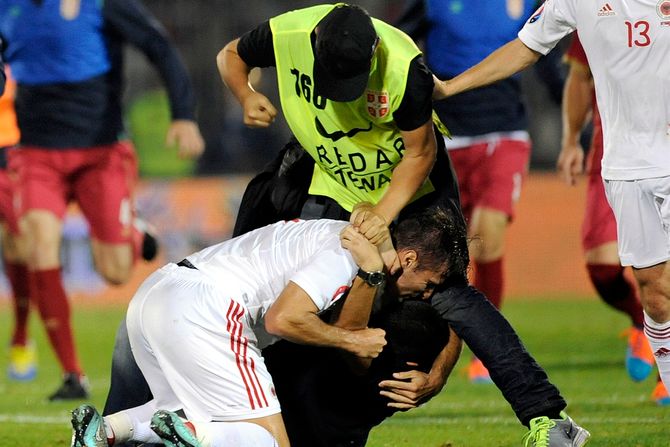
(326, 404)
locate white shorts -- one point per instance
(194, 345)
(642, 212)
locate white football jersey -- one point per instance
(627, 43)
(258, 265)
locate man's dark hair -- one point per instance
(438, 236)
(415, 332)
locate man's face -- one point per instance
(419, 282)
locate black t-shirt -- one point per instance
(257, 50)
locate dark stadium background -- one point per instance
(200, 28)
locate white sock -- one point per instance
(658, 335)
(118, 427)
(239, 434)
(133, 424)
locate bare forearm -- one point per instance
(410, 173)
(502, 63)
(445, 361)
(355, 312)
(309, 329)
(234, 71)
(576, 106)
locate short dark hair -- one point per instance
(438, 236)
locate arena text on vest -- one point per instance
(354, 169)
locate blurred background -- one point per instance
(193, 204)
(200, 28)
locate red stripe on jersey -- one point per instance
(250, 368)
(234, 328)
(253, 371)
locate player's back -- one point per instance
(262, 262)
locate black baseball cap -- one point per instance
(345, 43)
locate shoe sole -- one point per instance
(81, 421)
(163, 425)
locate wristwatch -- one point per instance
(374, 279)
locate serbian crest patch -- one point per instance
(663, 9)
(378, 103)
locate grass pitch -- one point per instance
(575, 340)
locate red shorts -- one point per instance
(7, 202)
(100, 179)
(490, 174)
(599, 225)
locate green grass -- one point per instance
(576, 341)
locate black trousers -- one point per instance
(278, 193)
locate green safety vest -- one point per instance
(356, 145)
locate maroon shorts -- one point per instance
(7, 214)
(490, 174)
(599, 225)
(100, 179)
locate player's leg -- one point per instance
(42, 191)
(176, 431)
(89, 429)
(22, 354)
(128, 387)
(215, 369)
(133, 424)
(104, 192)
(599, 241)
(43, 230)
(618, 290)
(536, 402)
(642, 213)
(655, 294)
(485, 330)
(498, 181)
(492, 187)
(487, 230)
(522, 381)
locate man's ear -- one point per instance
(408, 258)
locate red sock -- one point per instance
(49, 296)
(18, 278)
(489, 280)
(617, 290)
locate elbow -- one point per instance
(273, 326)
(222, 56)
(278, 325)
(221, 59)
